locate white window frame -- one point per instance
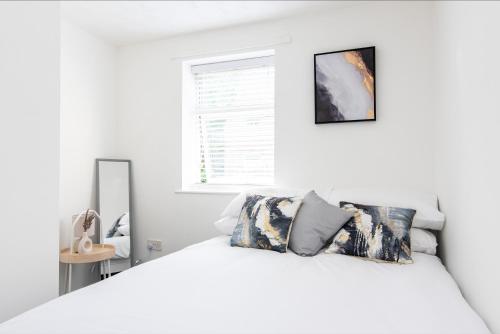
(190, 145)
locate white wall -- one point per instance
(29, 147)
(394, 151)
(467, 156)
(88, 127)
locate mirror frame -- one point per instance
(98, 209)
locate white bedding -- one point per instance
(213, 288)
(122, 246)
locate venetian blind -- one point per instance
(234, 115)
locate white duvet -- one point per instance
(213, 288)
(122, 246)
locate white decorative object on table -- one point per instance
(85, 244)
(83, 225)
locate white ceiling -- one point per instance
(126, 22)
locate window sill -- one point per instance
(216, 189)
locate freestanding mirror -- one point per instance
(113, 205)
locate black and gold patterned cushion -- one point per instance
(265, 222)
(375, 232)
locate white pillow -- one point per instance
(423, 241)
(427, 216)
(124, 229)
(226, 225)
(233, 209)
(124, 220)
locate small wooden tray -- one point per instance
(100, 252)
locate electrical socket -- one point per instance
(154, 244)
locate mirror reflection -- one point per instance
(113, 185)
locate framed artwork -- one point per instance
(344, 86)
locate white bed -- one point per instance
(211, 287)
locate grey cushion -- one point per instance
(315, 224)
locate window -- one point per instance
(231, 117)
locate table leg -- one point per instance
(69, 277)
(66, 272)
(104, 267)
(109, 267)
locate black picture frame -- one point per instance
(316, 121)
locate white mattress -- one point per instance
(213, 288)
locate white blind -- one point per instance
(234, 113)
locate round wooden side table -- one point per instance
(99, 253)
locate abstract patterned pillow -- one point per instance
(375, 232)
(265, 222)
